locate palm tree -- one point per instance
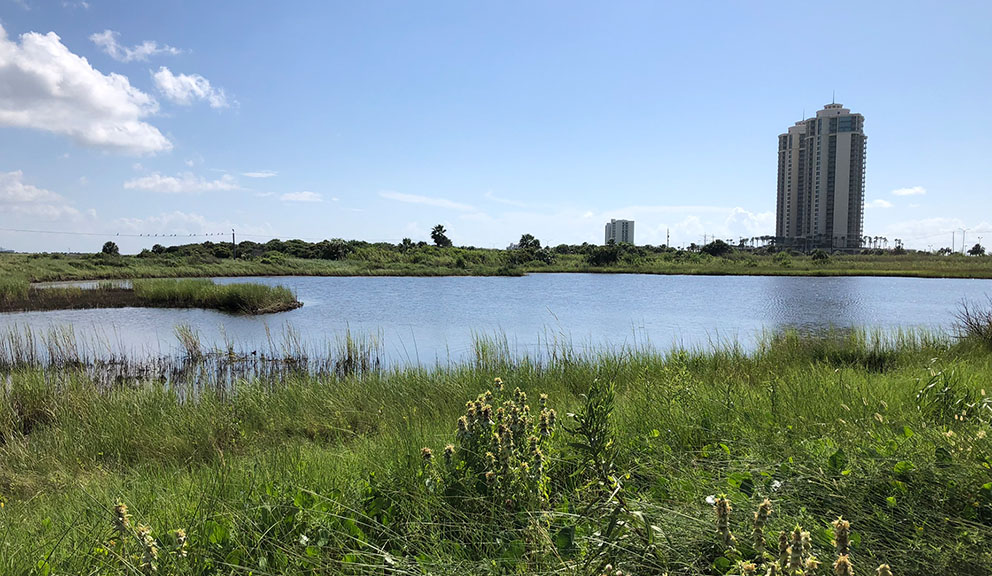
(438, 235)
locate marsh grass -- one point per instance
(239, 298)
(297, 471)
(386, 260)
(974, 323)
(13, 288)
(203, 293)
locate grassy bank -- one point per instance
(302, 471)
(244, 298)
(389, 260)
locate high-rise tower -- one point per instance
(821, 181)
(620, 231)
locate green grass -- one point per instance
(203, 293)
(375, 260)
(302, 472)
(247, 298)
(13, 288)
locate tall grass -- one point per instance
(13, 288)
(204, 293)
(301, 472)
(974, 323)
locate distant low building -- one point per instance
(619, 231)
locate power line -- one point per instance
(116, 234)
(176, 235)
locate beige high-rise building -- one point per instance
(821, 181)
(619, 231)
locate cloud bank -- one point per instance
(17, 197)
(44, 86)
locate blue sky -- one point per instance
(377, 120)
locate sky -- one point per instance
(171, 122)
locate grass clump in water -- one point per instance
(204, 293)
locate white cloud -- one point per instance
(22, 199)
(741, 222)
(653, 211)
(913, 191)
(184, 183)
(679, 225)
(305, 196)
(184, 89)
(937, 232)
(427, 201)
(685, 224)
(878, 203)
(507, 201)
(107, 40)
(260, 174)
(47, 87)
(14, 190)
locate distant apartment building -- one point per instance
(619, 231)
(821, 181)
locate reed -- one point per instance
(974, 323)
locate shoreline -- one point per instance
(426, 262)
(834, 273)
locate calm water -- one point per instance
(434, 319)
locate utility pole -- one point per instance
(234, 246)
(668, 237)
(952, 241)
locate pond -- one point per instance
(431, 320)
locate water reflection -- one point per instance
(827, 302)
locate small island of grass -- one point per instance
(17, 295)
